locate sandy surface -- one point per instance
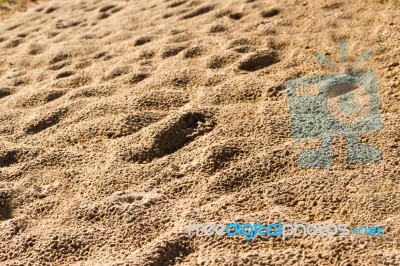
(10, 7)
(121, 121)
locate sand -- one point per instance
(121, 121)
(10, 7)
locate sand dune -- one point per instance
(121, 121)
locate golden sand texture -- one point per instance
(122, 120)
(10, 7)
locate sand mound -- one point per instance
(121, 121)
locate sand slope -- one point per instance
(121, 121)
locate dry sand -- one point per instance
(10, 7)
(121, 121)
